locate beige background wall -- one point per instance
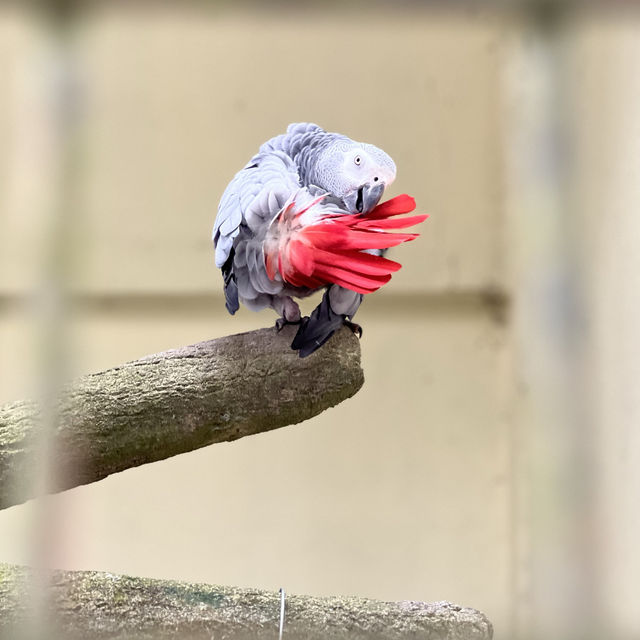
(423, 486)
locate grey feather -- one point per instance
(223, 248)
(232, 222)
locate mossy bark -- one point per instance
(92, 605)
(177, 401)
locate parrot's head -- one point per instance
(355, 172)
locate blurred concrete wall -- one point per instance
(421, 486)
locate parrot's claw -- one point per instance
(356, 328)
(281, 323)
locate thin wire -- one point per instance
(282, 598)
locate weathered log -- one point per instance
(92, 605)
(177, 401)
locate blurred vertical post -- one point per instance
(52, 75)
(555, 573)
(606, 192)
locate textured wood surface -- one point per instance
(92, 605)
(178, 401)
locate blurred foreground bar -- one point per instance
(572, 132)
(91, 605)
(178, 401)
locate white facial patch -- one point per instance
(382, 166)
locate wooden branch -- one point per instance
(92, 605)
(178, 401)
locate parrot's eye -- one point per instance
(357, 160)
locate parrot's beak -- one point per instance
(369, 196)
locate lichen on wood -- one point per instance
(92, 605)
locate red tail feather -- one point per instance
(331, 249)
(394, 207)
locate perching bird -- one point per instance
(302, 215)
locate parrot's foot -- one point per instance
(281, 323)
(356, 328)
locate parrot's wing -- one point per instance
(270, 173)
(253, 198)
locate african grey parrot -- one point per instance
(302, 215)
